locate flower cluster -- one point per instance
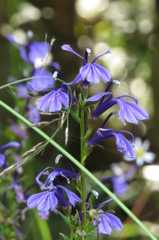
(37, 56)
(63, 101)
(130, 111)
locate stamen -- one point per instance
(55, 74)
(57, 159)
(29, 34)
(116, 82)
(68, 180)
(96, 194)
(88, 50)
(116, 114)
(46, 173)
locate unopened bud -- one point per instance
(66, 136)
(67, 210)
(62, 120)
(93, 213)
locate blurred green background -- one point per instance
(130, 29)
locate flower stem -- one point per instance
(82, 125)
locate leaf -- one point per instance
(90, 230)
(43, 228)
(65, 219)
(64, 236)
(74, 115)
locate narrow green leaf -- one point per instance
(73, 114)
(65, 219)
(64, 236)
(43, 228)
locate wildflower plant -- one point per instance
(62, 190)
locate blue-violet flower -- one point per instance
(90, 72)
(2, 148)
(123, 145)
(49, 199)
(128, 110)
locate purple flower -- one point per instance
(49, 199)
(106, 221)
(90, 72)
(32, 113)
(56, 172)
(120, 183)
(54, 100)
(43, 82)
(34, 53)
(132, 112)
(37, 55)
(22, 91)
(2, 148)
(123, 145)
(19, 130)
(120, 179)
(17, 231)
(20, 196)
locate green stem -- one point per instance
(82, 168)
(18, 81)
(83, 164)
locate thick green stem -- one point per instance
(81, 167)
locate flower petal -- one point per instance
(108, 51)
(10, 144)
(14, 40)
(104, 74)
(67, 47)
(149, 157)
(71, 196)
(124, 145)
(43, 201)
(131, 111)
(43, 80)
(2, 160)
(114, 221)
(97, 96)
(38, 50)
